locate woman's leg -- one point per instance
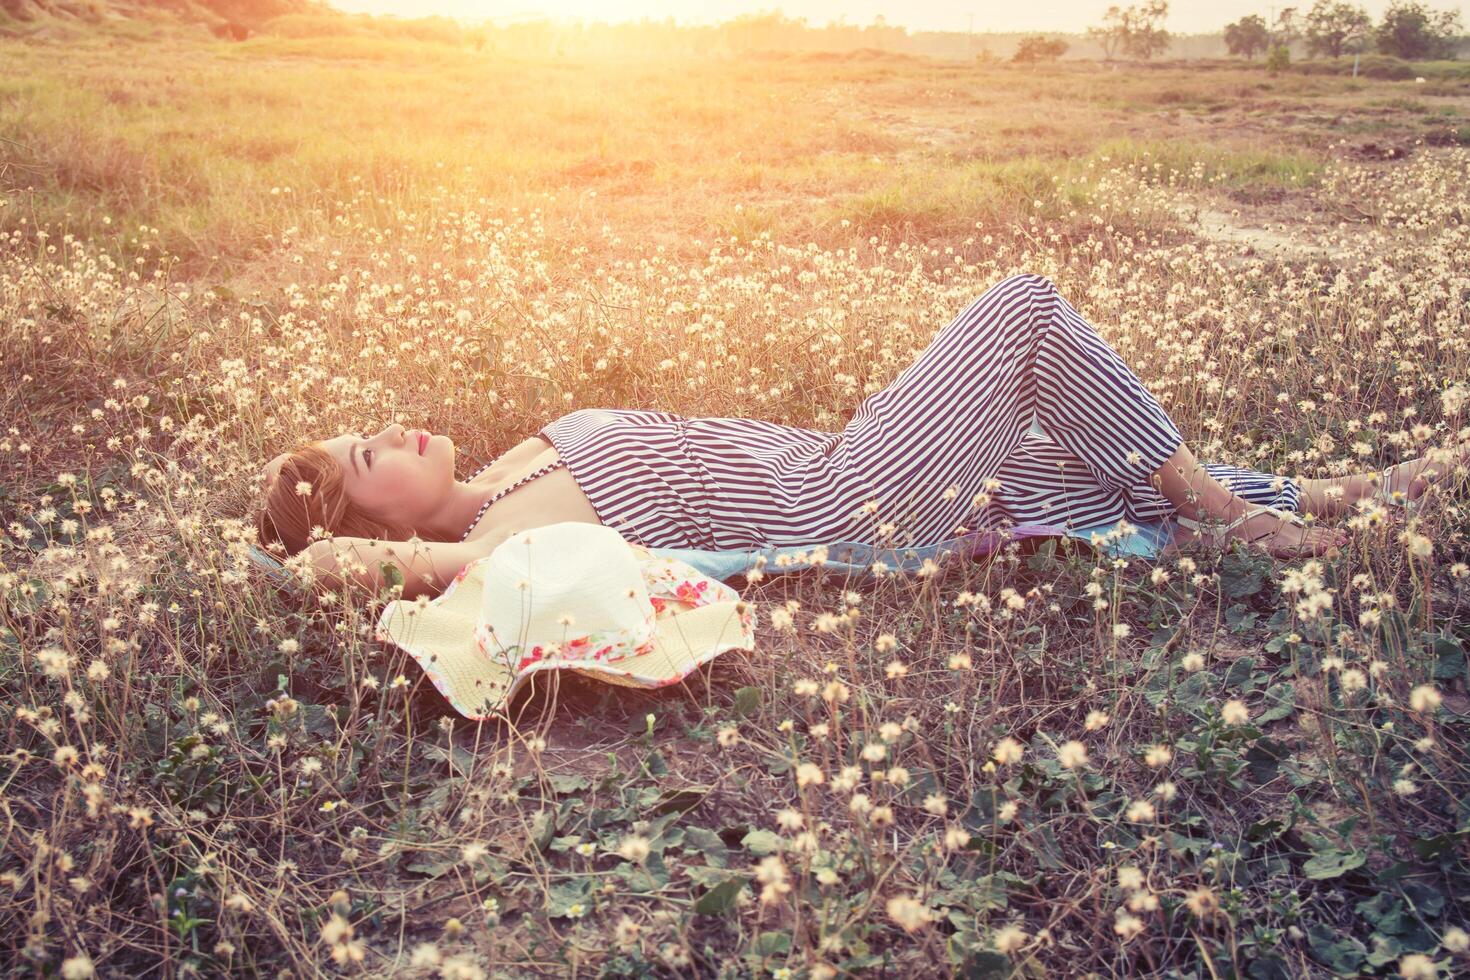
(1042, 482)
(1411, 478)
(1146, 503)
(952, 417)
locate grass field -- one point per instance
(1046, 763)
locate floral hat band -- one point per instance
(572, 596)
(607, 645)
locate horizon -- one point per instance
(1052, 16)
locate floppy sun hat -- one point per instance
(567, 596)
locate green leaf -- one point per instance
(543, 828)
(1268, 968)
(568, 783)
(1240, 619)
(564, 895)
(1280, 701)
(1264, 758)
(1427, 902)
(747, 701)
(1240, 577)
(761, 842)
(1264, 830)
(1342, 955)
(1393, 630)
(431, 867)
(985, 964)
(709, 844)
(650, 876)
(1042, 842)
(392, 574)
(1239, 673)
(1197, 691)
(1332, 863)
(463, 758)
(1439, 845)
(319, 720)
(721, 898)
(1449, 663)
(771, 944)
(680, 800)
(987, 894)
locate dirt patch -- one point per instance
(1277, 239)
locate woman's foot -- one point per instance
(1281, 534)
(1407, 481)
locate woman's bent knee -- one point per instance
(1032, 280)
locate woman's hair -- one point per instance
(286, 516)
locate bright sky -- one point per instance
(1185, 16)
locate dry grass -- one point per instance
(206, 772)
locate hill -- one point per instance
(225, 17)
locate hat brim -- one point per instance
(439, 635)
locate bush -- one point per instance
(1369, 66)
(1386, 67)
(1247, 36)
(1278, 58)
(440, 29)
(1039, 47)
(315, 25)
(1412, 31)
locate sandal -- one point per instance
(1219, 536)
(1433, 471)
(1393, 499)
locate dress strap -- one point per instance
(555, 464)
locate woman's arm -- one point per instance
(426, 567)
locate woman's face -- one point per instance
(388, 477)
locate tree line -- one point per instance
(1408, 30)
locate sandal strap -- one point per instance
(1219, 534)
(1382, 493)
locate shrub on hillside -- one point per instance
(1384, 66)
(317, 25)
(440, 29)
(1369, 66)
(1039, 47)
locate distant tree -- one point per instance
(1287, 28)
(1247, 36)
(1331, 24)
(1111, 33)
(1136, 30)
(1039, 47)
(1147, 36)
(230, 31)
(1411, 31)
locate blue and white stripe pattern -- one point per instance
(928, 448)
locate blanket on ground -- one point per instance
(857, 559)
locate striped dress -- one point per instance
(948, 447)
